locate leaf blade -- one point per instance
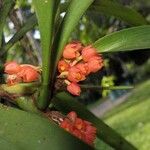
(128, 39)
(119, 11)
(34, 132)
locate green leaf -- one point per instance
(67, 103)
(26, 103)
(74, 12)
(128, 39)
(4, 10)
(30, 23)
(7, 145)
(45, 14)
(119, 11)
(27, 131)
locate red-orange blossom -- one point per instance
(77, 63)
(80, 128)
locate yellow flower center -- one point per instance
(62, 68)
(78, 76)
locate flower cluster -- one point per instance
(77, 63)
(79, 128)
(17, 73)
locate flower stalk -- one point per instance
(97, 87)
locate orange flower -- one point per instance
(83, 67)
(66, 124)
(79, 128)
(90, 132)
(72, 116)
(12, 68)
(74, 89)
(63, 66)
(75, 75)
(71, 50)
(79, 124)
(95, 63)
(78, 62)
(21, 73)
(28, 74)
(88, 52)
(77, 133)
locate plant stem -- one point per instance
(45, 14)
(96, 87)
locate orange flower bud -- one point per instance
(66, 124)
(83, 67)
(77, 133)
(90, 134)
(88, 52)
(74, 89)
(28, 74)
(63, 66)
(79, 128)
(75, 75)
(71, 50)
(12, 68)
(95, 63)
(72, 116)
(79, 124)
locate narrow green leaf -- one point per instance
(6, 7)
(45, 15)
(128, 39)
(27, 131)
(67, 103)
(111, 8)
(30, 23)
(74, 12)
(119, 11)
(121, 87)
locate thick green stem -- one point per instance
(45, 14)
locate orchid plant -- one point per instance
(35, 89)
